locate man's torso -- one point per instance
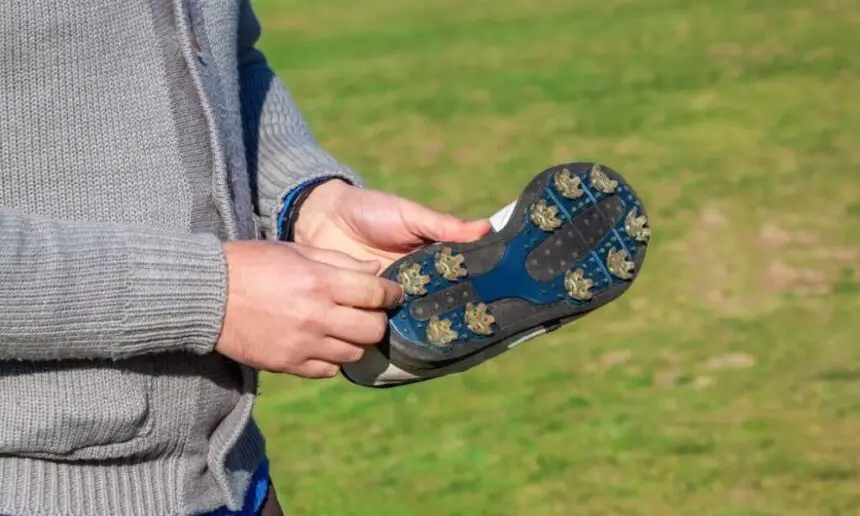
(114, 112)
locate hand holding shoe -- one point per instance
(300, 310)
(372, 225)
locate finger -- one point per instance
(441, 227)
(356, 325)
(336, 351)
(352, 288)
(318, 369)
(338, 259)
(475, 229)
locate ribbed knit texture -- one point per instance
(76, 290)
(281, 151)
(136, 136)
(50, 488)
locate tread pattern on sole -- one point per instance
(443, 301)
(572, 245)
(574, 240)
(412, 280)
(545, 216)
(449, 265)
(478, 319)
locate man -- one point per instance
(145, 145)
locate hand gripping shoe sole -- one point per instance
(573, 241)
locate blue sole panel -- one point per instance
(521, 269)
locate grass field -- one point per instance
(727, 381)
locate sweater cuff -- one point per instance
(176, 294)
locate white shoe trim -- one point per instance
(363, 371)
(501, 217)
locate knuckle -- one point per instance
(287, 366)
(306, 323)
(309, 319)
(376, 295)
(286, 363)
(311, 373)
(307, 279)
(379, 327)
(354, 355)
(313, 283)
(308, 370)
(321, 371)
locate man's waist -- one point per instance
(141, 430)
(130, 488)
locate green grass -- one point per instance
(727, 381)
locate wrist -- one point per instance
(315, 207)
(294, 202)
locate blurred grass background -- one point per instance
(726, 382)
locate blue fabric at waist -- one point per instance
(256, 495)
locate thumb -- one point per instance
(440, 227)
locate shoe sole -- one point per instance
(576, 240)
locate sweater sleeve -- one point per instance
(87, 291)
(281, 151)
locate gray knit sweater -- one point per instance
(135, 136)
